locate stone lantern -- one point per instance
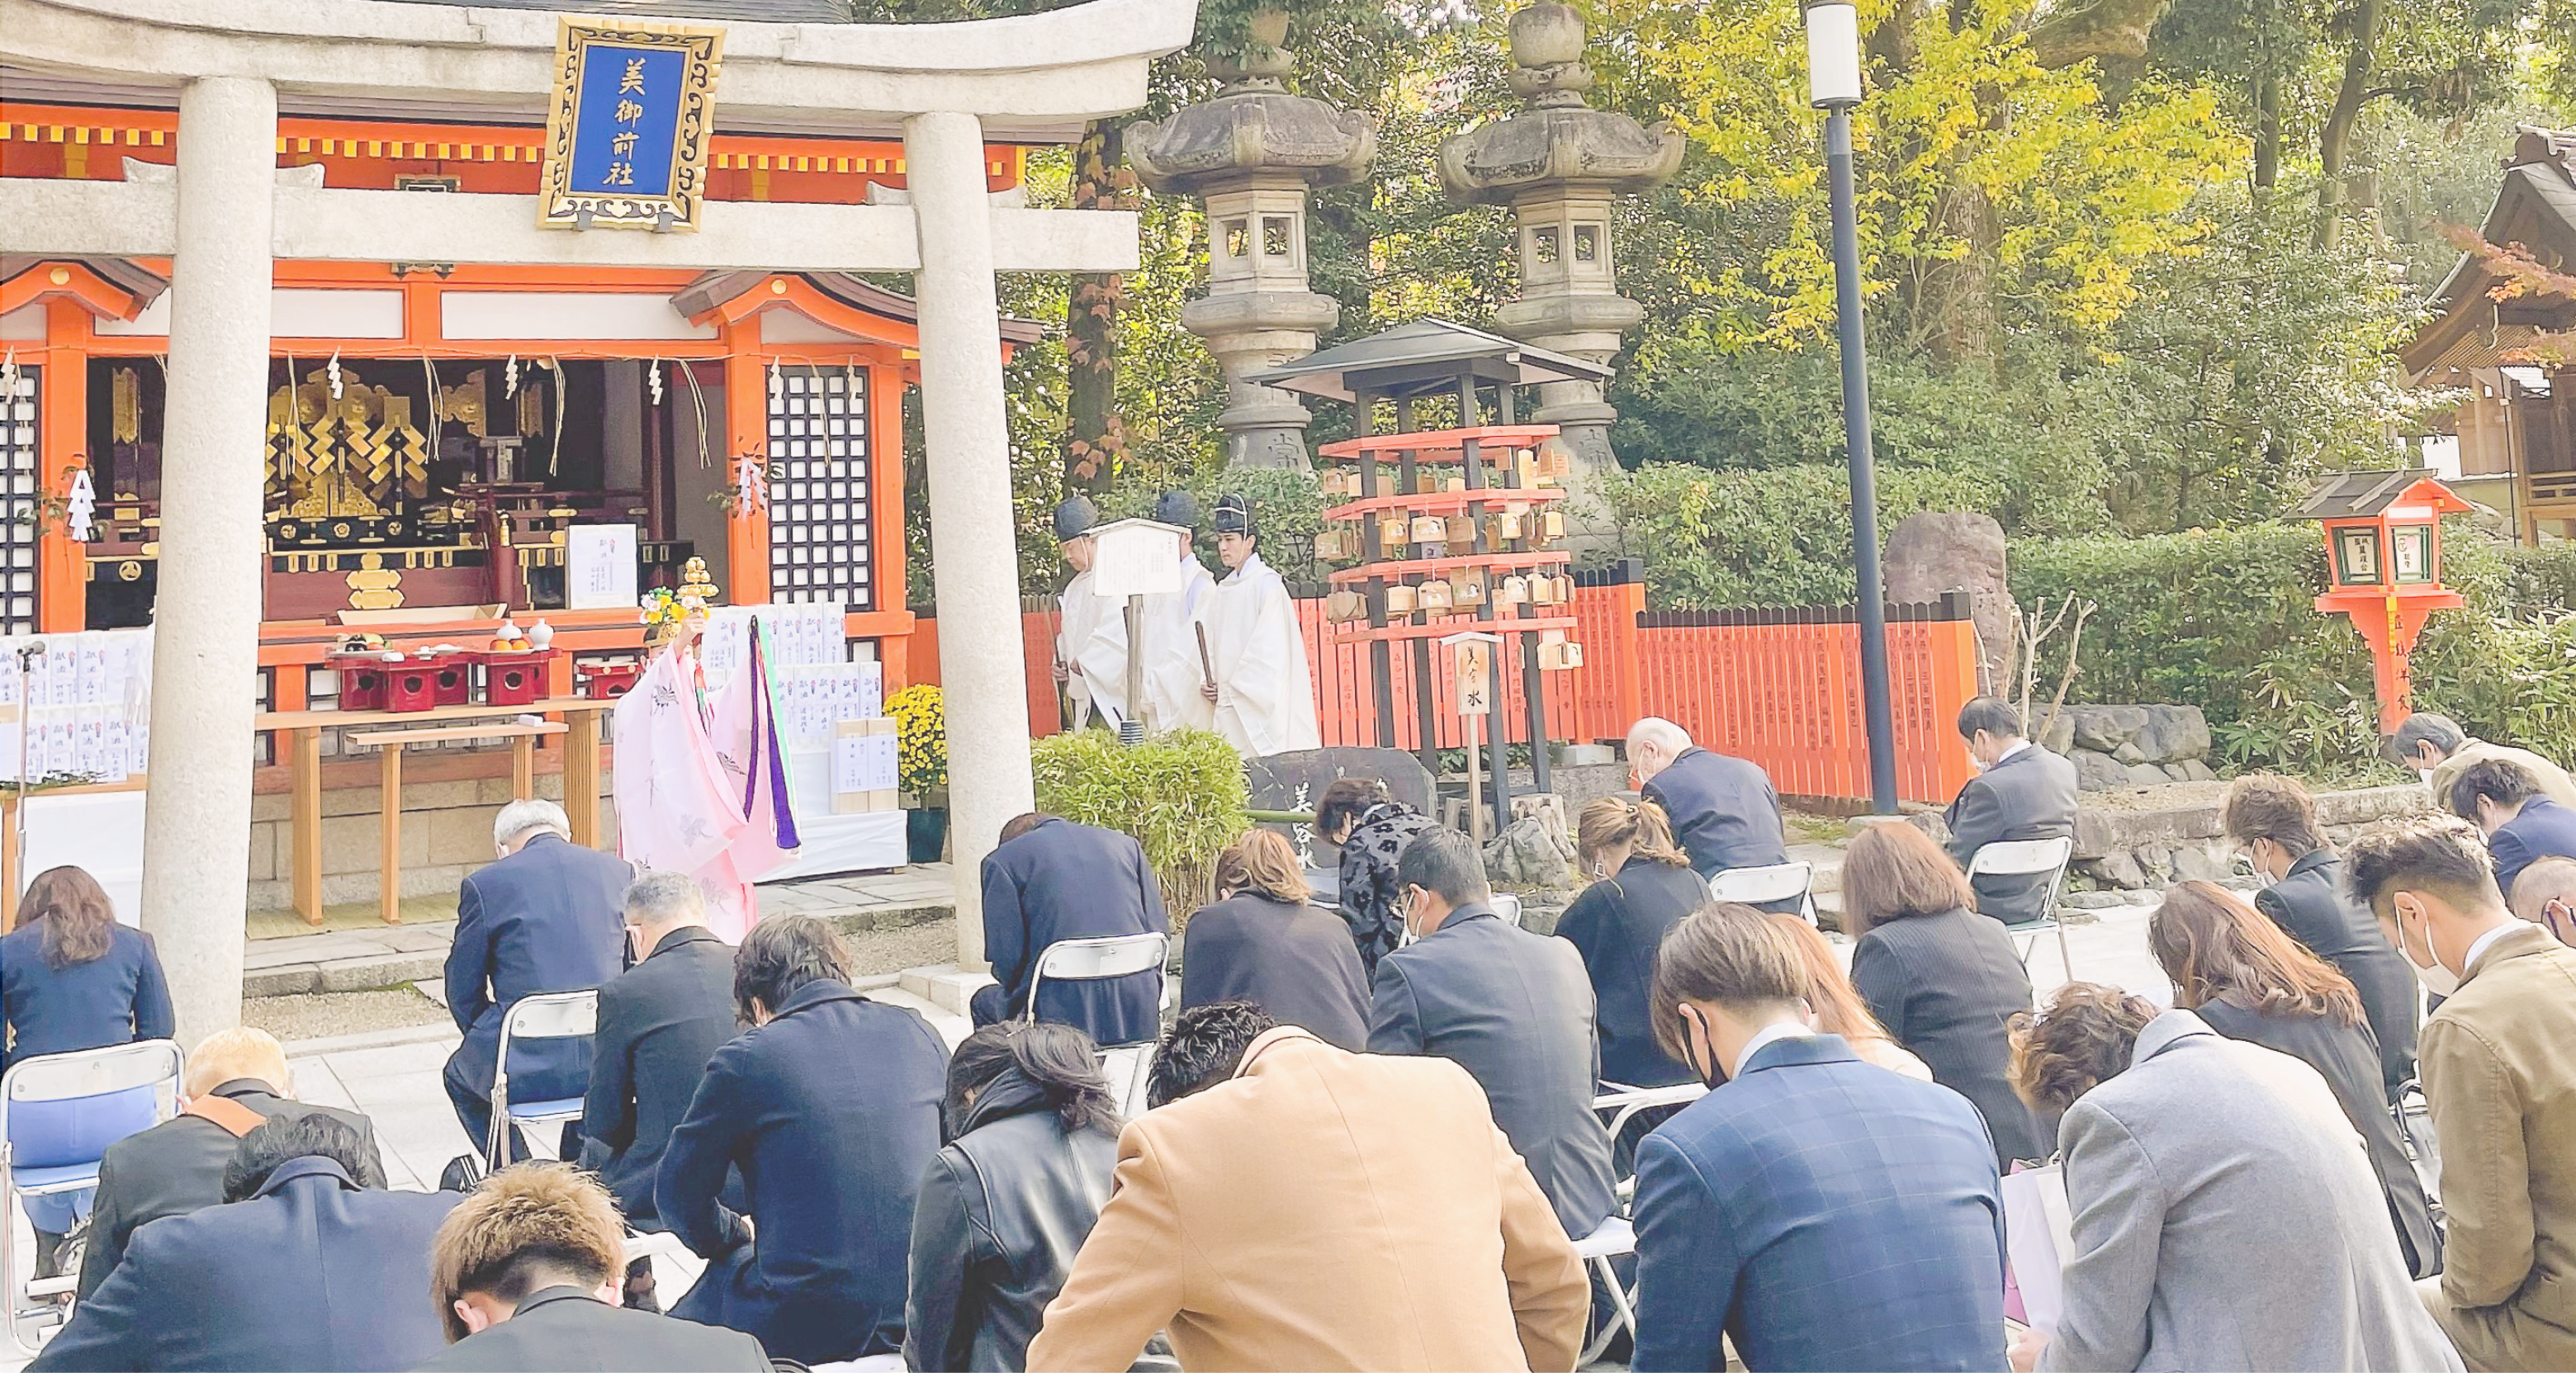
(1250, 155)
(1558, 164)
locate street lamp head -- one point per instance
(1833, 54)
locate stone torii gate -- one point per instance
(228, 214)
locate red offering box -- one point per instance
(454, 684)
(362, 680)
(606, 681)
(412, 684)
(515, 679)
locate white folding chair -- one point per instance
(1127, 1066)
(2042, 858)
(1622, 1103)
(548, 1015)
(148, 1063)
(1764, 885)
(1614, 1238)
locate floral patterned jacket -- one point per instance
(1370, 900)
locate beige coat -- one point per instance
(2499, 1067)
(1324, 1210)
(2553, 779)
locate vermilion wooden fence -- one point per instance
(1778, 687)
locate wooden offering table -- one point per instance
(391, 733)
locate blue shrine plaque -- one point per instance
(627, 128)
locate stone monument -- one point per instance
(1250, 155)
(1558, 164)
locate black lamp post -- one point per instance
(1833, 85)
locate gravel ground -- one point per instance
(317, 1014)
(913, 946)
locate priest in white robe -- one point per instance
(1091, 630)
(1263, 697)
(1175, 673)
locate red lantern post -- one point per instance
(2384, 567)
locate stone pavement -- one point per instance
(394, 1075)
(390, 955)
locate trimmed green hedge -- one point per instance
(1181, 795)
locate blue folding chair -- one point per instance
(154, 1065)
(549, 1015)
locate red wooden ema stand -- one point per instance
(2384, 567)
(1495, 471)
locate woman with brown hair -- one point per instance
(1265, 942)
(1836, 1009)
(2222, 1217)
(1642, 883)
(71, 978)
(1943, 979)
(2249, 980)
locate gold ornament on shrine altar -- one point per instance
(125, 405)
(354, 456)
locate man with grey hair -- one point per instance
(1722, 809)
(544, 918)
(2435, 748)
(659, 1023)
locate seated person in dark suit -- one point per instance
(829, 1107)
(1722, 809)
(1511, 1007)
(659, 1023)
(1266, 945)
(1817, 1211)
(1641, 885)
(2521, 823)
(1051, 879)
(72, 978)
(236, 1079)
(524, 1274)
(300, 1268)
(542, 919)
(2023, 791)
(2273, 822)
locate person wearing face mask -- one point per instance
(2435, 748)
(1642, 883)
(2021, 791)
(2272, 821)
(2522, 825)
(2499, 1068)
(1817, 1211)
(2545, 895)
(1512, 1008)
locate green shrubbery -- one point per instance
(1181, 795)
(1715, 540)
(2225, 620)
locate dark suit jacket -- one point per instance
(831, 1111)
(549, 918)
(1515, 1010)
(115, 998)
(1723, 810)
(1617, 924)
(1825, 1214)
(177, 1167)
(312, 1272)
(1068, 881)
(2030, 795)
(1292, 961)
(562, 1328)
(2309, 904)
(1945, 985)
(2344, 1056)
(659, 1023)
(2544, 829)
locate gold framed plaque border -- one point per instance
(558, 206)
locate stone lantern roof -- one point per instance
(1253, 125)
(1557, 142)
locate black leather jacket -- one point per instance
(1001, 1214)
